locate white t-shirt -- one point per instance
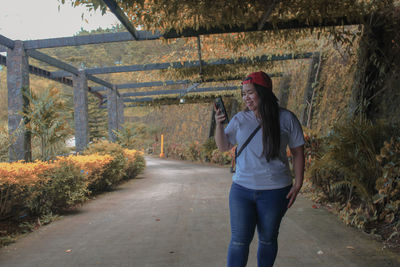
(252, 169)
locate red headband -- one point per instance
(260, 78)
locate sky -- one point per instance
(41, 19)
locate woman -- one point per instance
(262, 188)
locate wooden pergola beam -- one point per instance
(187, 64)
(100, 38)
(47, 74)
(186, 32)
(62, 65)
(176, 91)
(117, 11)
(52, 61)
(171, 100)
(7, 42)
(166, 83)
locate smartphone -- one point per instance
(220, 105)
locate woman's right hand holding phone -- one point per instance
(220, 138)
(219, 115)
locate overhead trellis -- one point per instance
(164, 20)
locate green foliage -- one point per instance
(346, 164)
(7, 240)
(12, 199)
(61, 188)
(221, 158)
(176, 151)
(97, 119)
(6, 140)
(207, 149)
(206, 152)
(378, 57)
(164, 15)
(103, 147)
(193, 151)
(114, 172)
(131, 135)
(384, 216)
(311, 148)
(4, 144)
(387, 200)
(360, 171)
(111, 176)
(47, 122)
(135, 167)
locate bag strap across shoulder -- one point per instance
(237, 153)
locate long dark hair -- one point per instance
(268, 109)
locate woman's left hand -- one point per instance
(298, 166)
(293, 194)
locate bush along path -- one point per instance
(36, 193)
(355, 172)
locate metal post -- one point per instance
(284, 87)
(199, 53)
(18, 87)
(81, 111)
(112, 113)
(314, 67)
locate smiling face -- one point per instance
(250, 97)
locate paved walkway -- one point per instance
(176, 214)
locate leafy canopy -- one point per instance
(177, 14)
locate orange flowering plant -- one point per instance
(43, 187)
(61, 187)
(91, 166)
(135, 163)
(15, 180)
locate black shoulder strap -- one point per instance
(237, 153)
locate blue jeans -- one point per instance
(248, 209)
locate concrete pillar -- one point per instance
(18, 85)
(81, 111)
(112, 113)
(308, 93)
(120, 109)
(283, 94)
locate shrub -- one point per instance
(193, 151)
(176, 151)
(4, 144)
(222, 158)
(92, 166)
(111, 176)
(103, 147)
(357, 169)
(132, 135)
(41, 189)
(207, 149)
(59, 188)
(346, 166)
(47, 121)
(387, 200)
(311, 148)
(114, 171)
(16, 181)
(135, 163)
